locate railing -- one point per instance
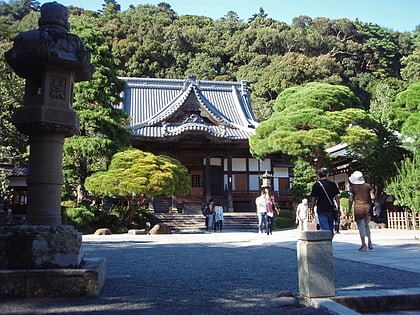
(403, 220)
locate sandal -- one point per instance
(370, 246)
(363, 249)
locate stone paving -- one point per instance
(230, 273)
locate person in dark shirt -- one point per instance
(323, 194)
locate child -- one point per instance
(302, 213)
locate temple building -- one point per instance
(206, 126)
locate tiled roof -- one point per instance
(12, 171)
(167, 108)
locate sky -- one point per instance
(397, 15)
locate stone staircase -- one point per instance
(164, 205)
(193, 223)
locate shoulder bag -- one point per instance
(335, 209)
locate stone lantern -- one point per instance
(266, 180)
(50, 60)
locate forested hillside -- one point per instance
(378, 65)
(154, 41)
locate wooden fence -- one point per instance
(403, 220)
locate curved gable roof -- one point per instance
(164, 108)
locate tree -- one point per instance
(380, 50)
(304, 177)
(410, 71)
(139, 50)
(204, 67)
(405, 186)
(135, 176)
(306, 120)
(12, 142)
(103, 129)
(16, 10)
(383, 93)
(111, 5)
(6, 194)
(378, 154)
(293, 69)
(406, 115)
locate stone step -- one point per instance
(185, 223)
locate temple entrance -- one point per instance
(216, 181)
(197, 183)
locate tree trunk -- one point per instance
(134, 203)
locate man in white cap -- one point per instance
(361, 195)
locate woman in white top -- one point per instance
(218, 217)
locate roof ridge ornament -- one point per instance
(191, 80)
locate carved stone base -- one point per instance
(85, 281)
(39, 246)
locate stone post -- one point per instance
(315, 264)
(50, 60)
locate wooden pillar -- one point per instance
(229, 183)
(207, 178)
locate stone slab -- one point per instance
(87, 280)
(374, 304)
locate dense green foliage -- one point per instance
(283, 220)
(12, 143)
(135, 176)
(309, 80)
(406, 115)
(405, 187)
(136, 172)
(103, 130)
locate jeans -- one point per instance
(270, 224)
(262, 221)
(363, 226)
(326, 222)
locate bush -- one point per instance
(80, 216)
(285, 214)
(283, 220)
(88, 219)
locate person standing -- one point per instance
(302, 214)
(209, 213)
(205, 211)
(361, 195)
(270, 214)
(337, 218)
(218, 216)
(323, 194)
(261, 203)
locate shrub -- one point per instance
(283, 219)
(80, 216)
